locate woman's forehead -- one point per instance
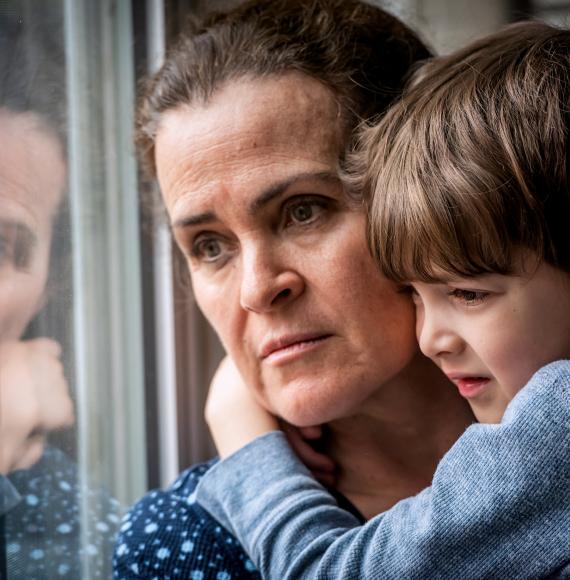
(248, 128)
(285, 109)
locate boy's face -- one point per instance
(489, 334)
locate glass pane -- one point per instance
(71, 383)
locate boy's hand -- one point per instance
(304, 440)
(34, 400)
(234, 416)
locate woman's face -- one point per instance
(32, 178)
(277, 253)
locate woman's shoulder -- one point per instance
(166, 533)
(186, 482)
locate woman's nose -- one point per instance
(436, 335)
(267, 285)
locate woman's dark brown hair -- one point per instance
(357, 50)
(472, 165)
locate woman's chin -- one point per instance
(306, 410)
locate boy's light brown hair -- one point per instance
(472, 165)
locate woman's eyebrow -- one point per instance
(279, 188)
(262, 199)
(195, 220)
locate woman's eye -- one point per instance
(208, 249)
(304, 212)
(17, 244)
(469, 297)
(5, 253)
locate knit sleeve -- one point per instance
(498, 505)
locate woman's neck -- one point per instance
(389, 449)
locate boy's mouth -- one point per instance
(469, 386)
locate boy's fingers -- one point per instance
(325, 478)
(314, 460)
(312, 432)
(317, 461)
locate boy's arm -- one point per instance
(498, 505)
(235, 418)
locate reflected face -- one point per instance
(32, 178)
(490, 334)
(276, 250)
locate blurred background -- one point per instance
(104, 357)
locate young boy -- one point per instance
(470, 197)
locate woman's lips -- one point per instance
(469, 386)
(287, 349)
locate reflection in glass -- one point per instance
(41, 491)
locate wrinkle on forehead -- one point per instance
(254, 103)
(250, 118)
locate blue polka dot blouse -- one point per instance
(167, 535)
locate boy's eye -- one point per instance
(469, 297)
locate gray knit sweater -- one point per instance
(498, 506)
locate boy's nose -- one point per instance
(266, 284)
(436, 336)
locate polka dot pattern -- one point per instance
(42, 533)
(168, 535)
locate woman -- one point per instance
(245, 128)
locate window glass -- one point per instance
(72, 449)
